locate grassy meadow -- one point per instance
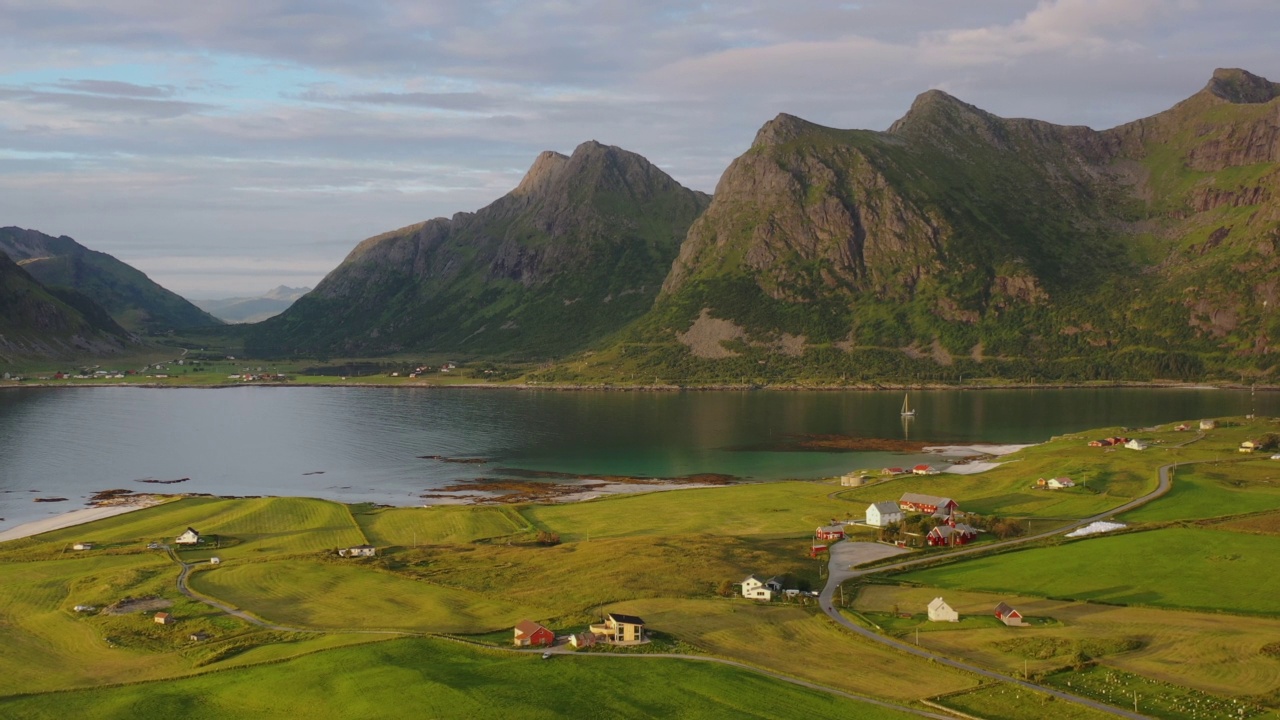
(1187, 568)
(1211, 652)
(1150, 604)
(439, 679)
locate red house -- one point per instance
(531, 633)
(1008, 615)
(830, 532)
(951, 534)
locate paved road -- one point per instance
(838, 572)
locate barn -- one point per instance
(830, 532)
(529, 633)
(927, 504)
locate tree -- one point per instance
(546, 537)
(725, 589)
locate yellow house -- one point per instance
(620, 629)
(1248, 446)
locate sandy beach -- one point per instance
(74, 517)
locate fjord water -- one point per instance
(362, 444)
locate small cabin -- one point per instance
(82, 546)
(1008, 616)
(163, 618)
(830, 532)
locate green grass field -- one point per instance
(438, 679)
(1215, 490)
(1175, 567)
(789, 509)
(439, 525)
(1007, 702)
(331, 595)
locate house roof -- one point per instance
(919, 499)
(885, 506)
(162, 614)
(938, 603)
(529, 627)
(361, 547)
(839, 527)
(628, 619)
(192, 530)
(1003, 608)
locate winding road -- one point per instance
(838, 573)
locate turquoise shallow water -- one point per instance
(365, 441)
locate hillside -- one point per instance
(252, 309)
(133, 300)
(958, 243)
(36, 321)
(576, 251)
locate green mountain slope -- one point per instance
(133, 299)
(36, 321)
(962, 243)
(576, 251)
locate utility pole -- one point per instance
(917, 636)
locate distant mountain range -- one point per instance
(252, 309)
(955, 244)
(131, 298)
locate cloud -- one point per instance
(117, 88)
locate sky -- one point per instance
(228, 147)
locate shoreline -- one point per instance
(80, 516)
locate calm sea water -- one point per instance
(365, 442)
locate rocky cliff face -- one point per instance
(981, 236)
(576, 250)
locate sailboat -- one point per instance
(906, 408)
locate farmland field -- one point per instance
(1174, 567)
(1213, 652)
(795, 638)
(442, 524)
(1215, 490)
(434, 678)
(1006, 702)
(312, 594)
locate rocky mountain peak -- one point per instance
(1241, 86)
(934, 107)
(782, 129)
(542, 173)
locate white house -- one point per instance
(753, 588)
(1059, 483)
(358, 551)
(883, 513)
(1208, 424)
(82, 546)
(190, 537)
(940, 611)
(1136, 444)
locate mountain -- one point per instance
(36, 321)
(133, 299)
(959, 243)
(252, 309)
(573, 253)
